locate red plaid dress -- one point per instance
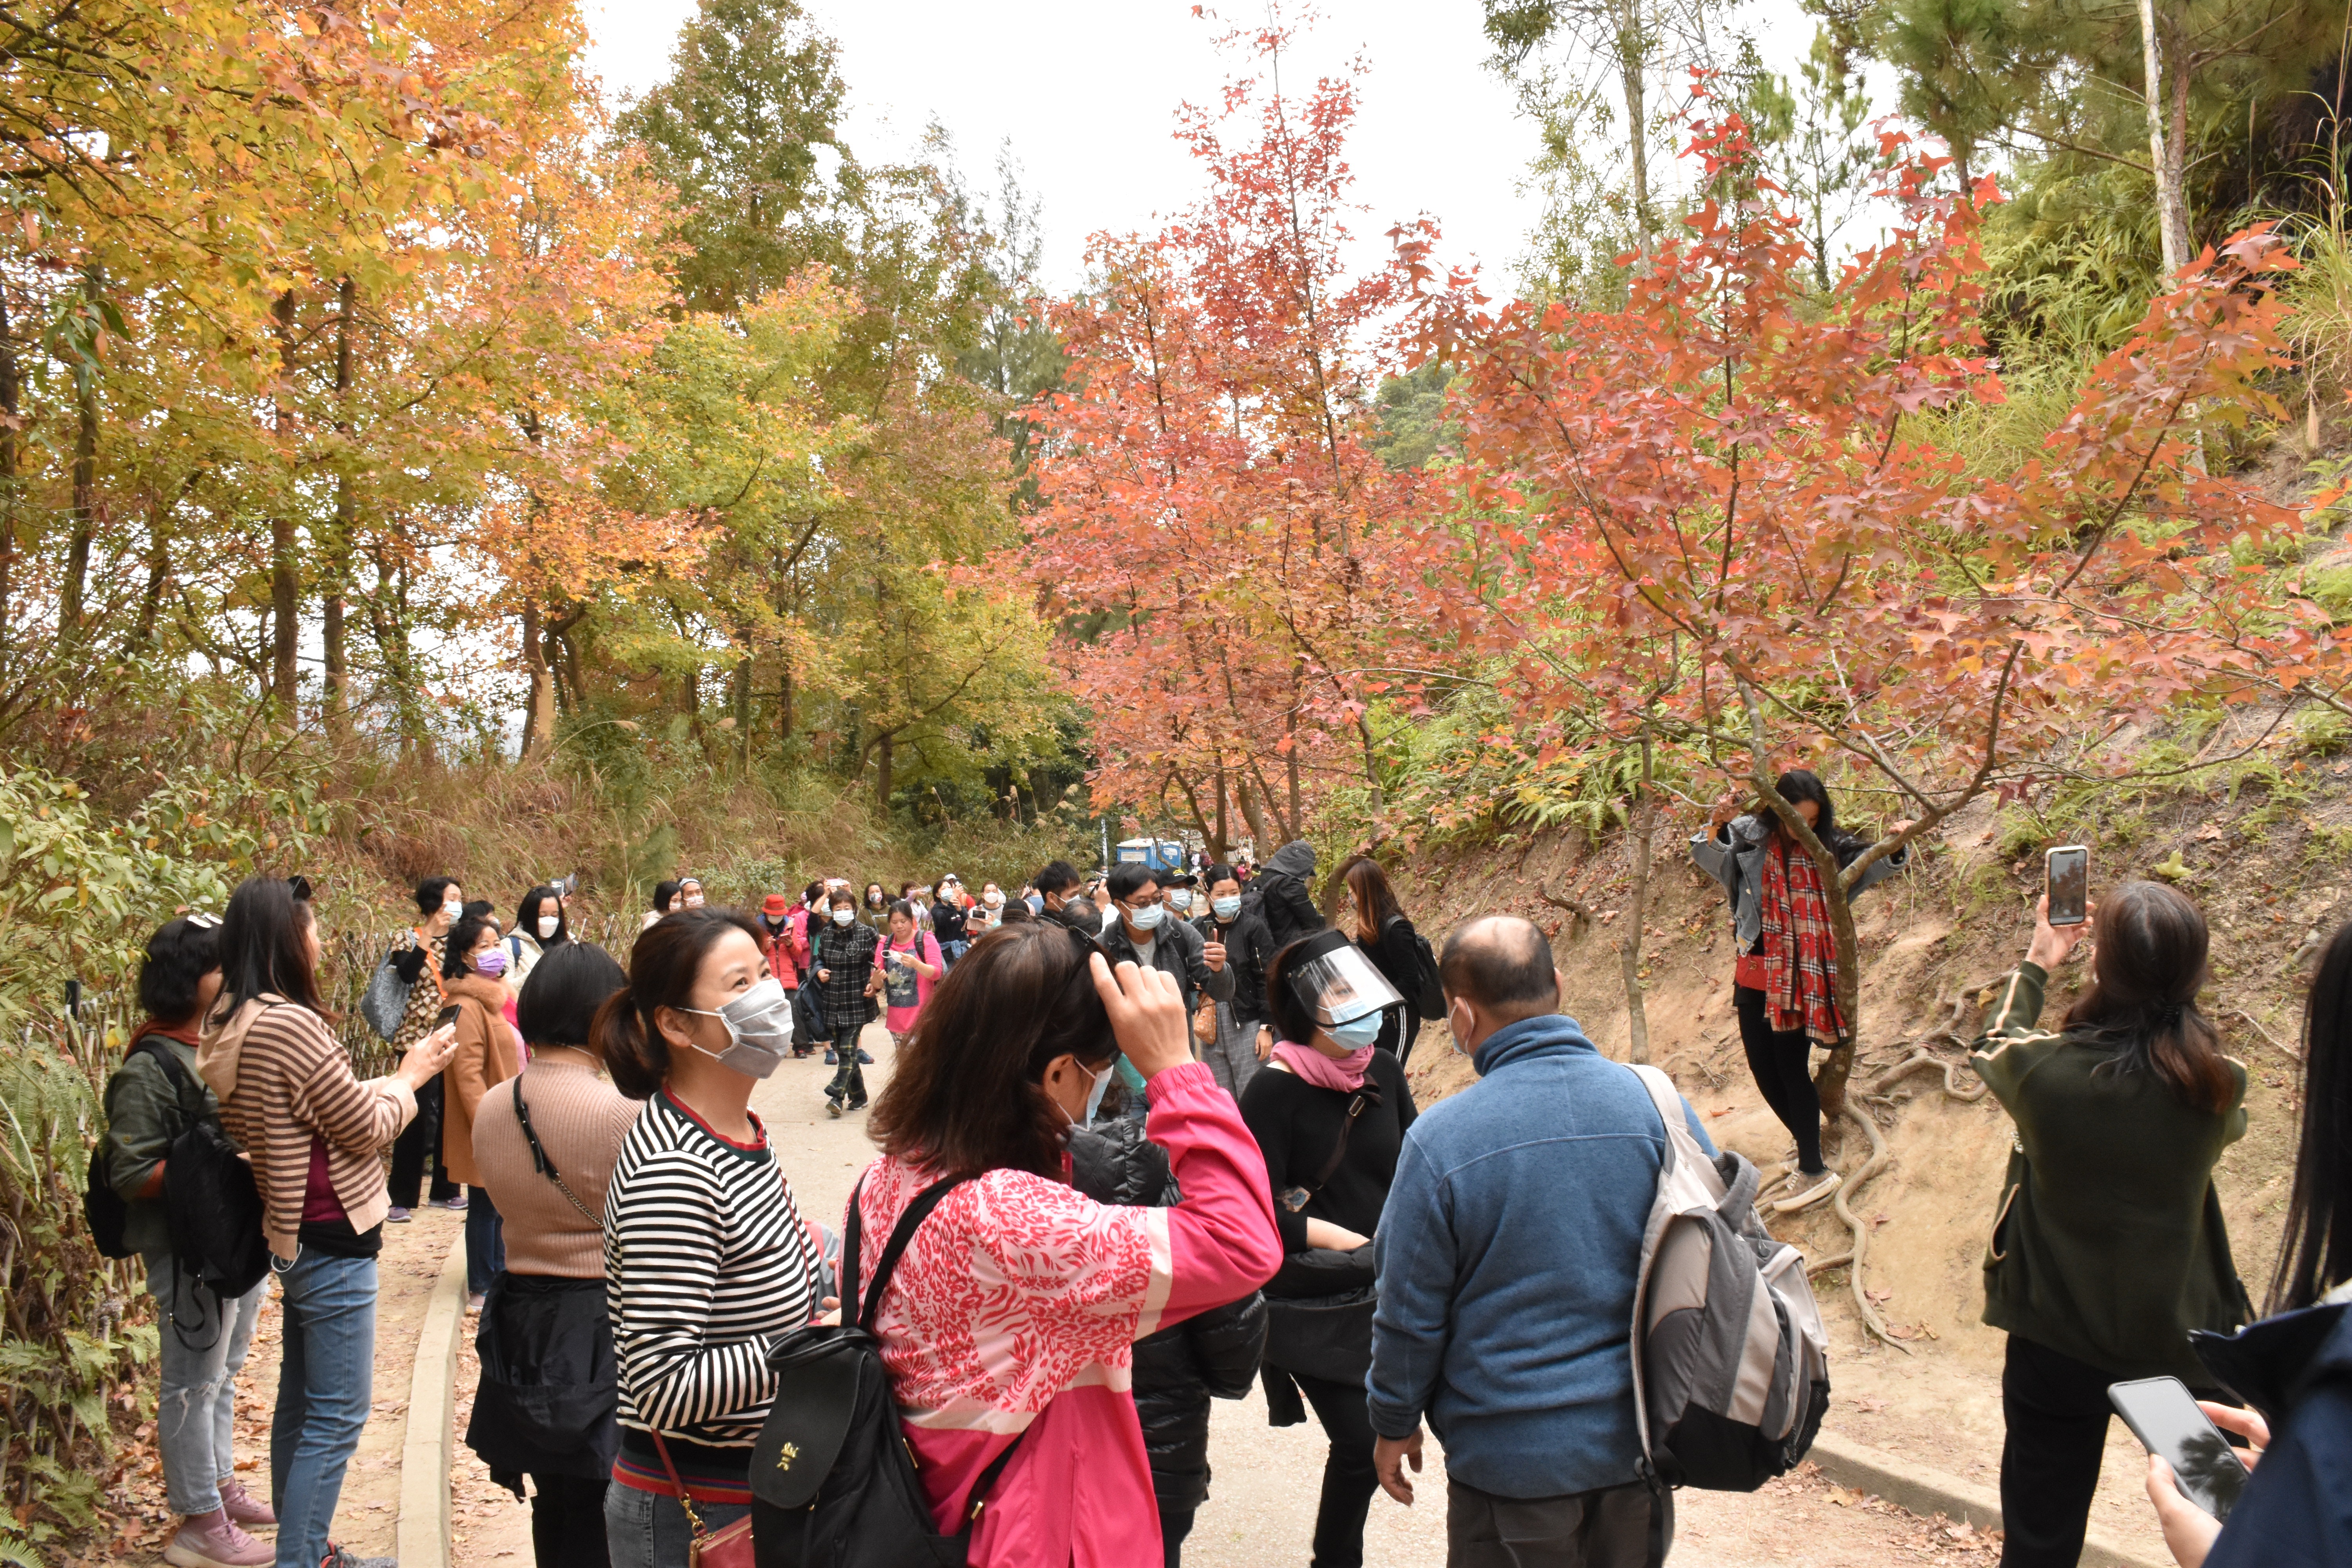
(1798, 946)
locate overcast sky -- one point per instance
(1086, 90)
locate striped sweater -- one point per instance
(706, 1263)
(284, 1079)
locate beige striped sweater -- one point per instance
(282, 1079)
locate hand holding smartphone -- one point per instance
(2068, 874)
(2164, 1417)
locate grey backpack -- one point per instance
(1730, 1359)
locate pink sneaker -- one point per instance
(243, 1507)
(213, 1540)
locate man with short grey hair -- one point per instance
(1508, 1253)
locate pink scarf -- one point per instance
(1345, 1074)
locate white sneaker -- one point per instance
(1807, 1191)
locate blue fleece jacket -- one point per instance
(1508, 1253)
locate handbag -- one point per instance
(1318, 1305)
(1205, 1022)
(385, 1001)
(727, 1548)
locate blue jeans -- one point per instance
(486, 1240)
(204, 1341)
(324, 1383)
(643, 1531)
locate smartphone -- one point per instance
(447, 1016)
(2070, 884)
(2163, 1415)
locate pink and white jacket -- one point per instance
(1016, 1311)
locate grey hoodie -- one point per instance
(1285, 894)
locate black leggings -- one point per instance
(418, 1149)
(567, 1520)
(1349, 1478)
(1781, 1060)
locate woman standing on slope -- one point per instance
(1013, 1318)
(1784, 983)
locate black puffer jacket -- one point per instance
(1285, 894)
(1177, 1369)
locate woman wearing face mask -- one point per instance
(986, 913)
(690, 893)
(439, 901)
(1381, 929)
(949, 920)
(538, 927)
(1017, 1048)
(706, 1260)
(909, 965)
(472, 977)
(840, 960)
(1784, 987)
(1330, 1113)
(876, 911)
(665, 902)
(1242, 1037)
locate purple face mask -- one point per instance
(491, 962)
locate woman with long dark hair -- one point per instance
(1371, 912)
(545, 1145)
(1329, 1112)
(1015, 1049)
(538, 930)
(1784, 982)
(473, 971)
(706, 1260)
(316, 1136)
(2295, 1365)
(2107, 1245)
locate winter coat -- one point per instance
(488, 1053)
(1285, 894)
(1249, 949)
(1176, 952)
(1733, 856)
(1176, 1370)
(2296, 1369)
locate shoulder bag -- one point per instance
(730, 1547)
(1318, 1306)
(387, 998)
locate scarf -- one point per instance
(1798, 946)
(1345, 1074)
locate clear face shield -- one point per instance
(1337, 983)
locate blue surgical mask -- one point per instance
(1036, 906)
(1357, 1034)
(1226, 909)
(1101, 1087)
(1147, 917)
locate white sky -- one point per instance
(1087, 92)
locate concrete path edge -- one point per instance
(422, 1537)
(1925, 1491)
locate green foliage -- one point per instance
(1411, 409)
(2322, 731)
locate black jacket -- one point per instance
(1398, 961)
(1175, 951)
(2296, 1369)
(1177, 1369)
(1249, 948)
(1286, 895)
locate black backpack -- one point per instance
(1428, 997)
(833, 1484)
(215, 1212)
(101, 1206)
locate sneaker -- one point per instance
(865, 1057)
(1806, 1189)
(473, 1303)
(832, 1059)
(458, 1203)
(832, 1108)
(397, 1216)
(245, 1508)
(213, 1540)
(337, 1557)
(857, 1105)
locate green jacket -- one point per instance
(2108, 1245)
(145, 1113)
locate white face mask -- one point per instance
(759, 1029)
(843, 917)
(1094, 1095)
(451, 909)
(995, 900)
(694, 901)
(548, 925)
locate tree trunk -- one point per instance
(1639, 823)
(84, 489)
(285, 572)
(334, 588)
(538, 705)
(1632, 56)
(882, 774)
(11, 394)
(159, 571)
(1247, 799)
(1218, 840)
(2171, 201)
(743, 713)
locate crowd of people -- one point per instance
(1152, 1139)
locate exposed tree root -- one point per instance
(1826, 1264)
(1846, 1189)
(1923, 1058)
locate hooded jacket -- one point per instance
(487, 1054)
(1176, 1370)
(283, 1080)
(1507, 1256)
(2296, 1369)
(1286, 897)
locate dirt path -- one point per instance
(370, 1506)
(1261, 1510)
